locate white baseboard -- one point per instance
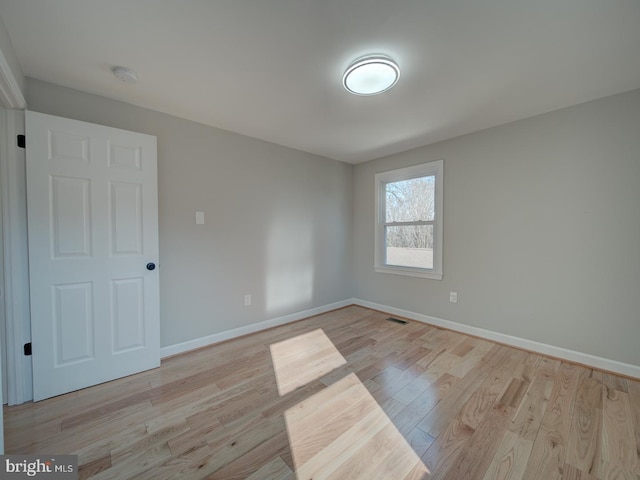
(551, 350)
(182, 347)
(545, 349)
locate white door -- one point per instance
(93, 251)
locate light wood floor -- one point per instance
(345, 395)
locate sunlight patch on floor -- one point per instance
(300, 360)
(341, 431)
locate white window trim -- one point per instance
(426, 169)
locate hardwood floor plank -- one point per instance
(313, 349)
(440, 365)
(392, 458)
(549, 449)
(439, 418)
(418, 473)
(392, 407)
(412, 390)
(362, 362)
(395, 462)
(276, 469)
(251, 462)
(94, 467)
(391, 381)
(528, 418)
(133, 463)
(105, 411)
(465, 347)
(93, 451)
(409, 358)
(511, 458)
(572, 473)
(232, 404)
(368, 399)
(471, 359)
(481, 401)
(618, 453)
(242, 441)
(81, 436)
(30, 435)
(634, 402)
(280, 405)
(586, 428)
(419, 441)
(317, 426)
(160, 436)
(615, 382)
(327, 460)
(193, 437)
(191, 400)
(483, 443)
(443, 454)
(409, 417)
(187, 465)
(177, 388)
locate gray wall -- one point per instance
(278, 221)
(542, 230)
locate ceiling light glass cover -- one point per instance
(371, 75)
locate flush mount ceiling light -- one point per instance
(125, 74)
(371, 75)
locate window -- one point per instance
(409, 221)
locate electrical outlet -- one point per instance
(247, 300)
(453, 297)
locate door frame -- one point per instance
(17, 326)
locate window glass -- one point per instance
(410, 246)
(410, 200)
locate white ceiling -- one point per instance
(272, 69)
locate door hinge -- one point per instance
(27, 349)
(22, 141)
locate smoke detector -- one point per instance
(125, 74)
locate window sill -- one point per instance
(409, 272)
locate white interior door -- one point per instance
(93, 247)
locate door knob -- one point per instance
(151, 266)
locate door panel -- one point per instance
(70, 217)
(126, 218)
(128, 314)
(92, 218)
(73, 323)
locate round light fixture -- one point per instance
(371, 75)
(125, 74)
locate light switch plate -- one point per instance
(199, 218)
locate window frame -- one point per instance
(436, 169)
